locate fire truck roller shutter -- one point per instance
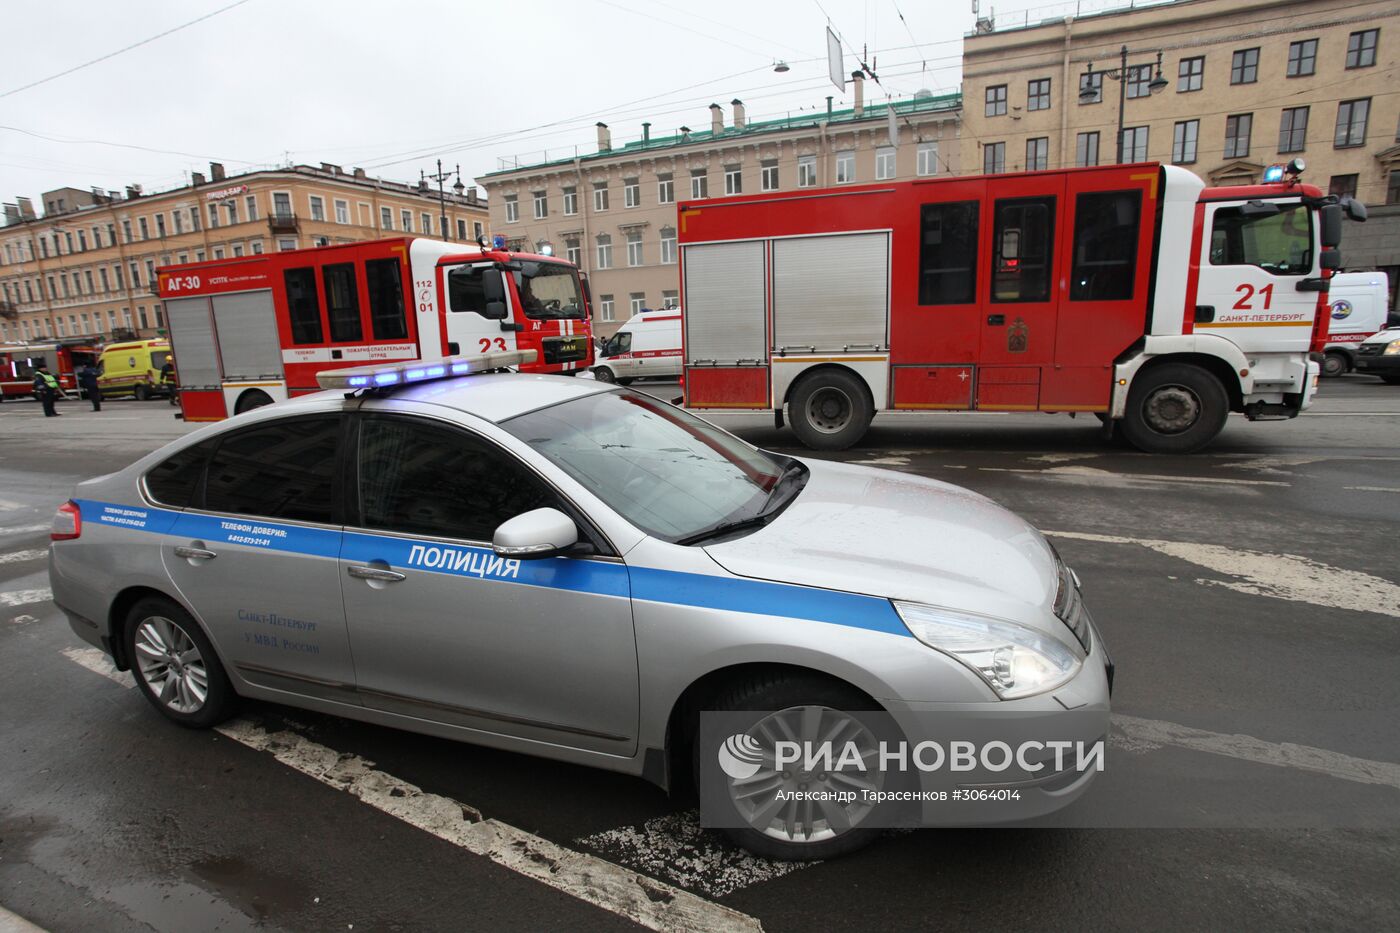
(248, 340)
(831, 292)
(192, 340)
(725, 308)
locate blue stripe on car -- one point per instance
(584, 576)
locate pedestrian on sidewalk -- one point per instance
(87, 381)
(46, 388)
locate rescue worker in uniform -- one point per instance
(87, 381)
(46, 388)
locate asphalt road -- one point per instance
(1250, 595)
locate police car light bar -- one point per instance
(394, 374)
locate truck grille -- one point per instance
(1370, 349)
(565, 349)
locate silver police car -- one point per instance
(563, 568)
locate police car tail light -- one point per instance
(394, 374)
(67, 522)
(1015, 661)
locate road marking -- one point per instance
(97, 661)
(654, 904)
(16, 598)
(1083, 472)
(25, 529)
(19, 557)
(1283, 576)
(7, 506)
(651, 903)
(674, 846)
(1140, 735)
(1373, 488)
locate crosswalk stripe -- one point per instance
(24, 530)
(16, 598)
(19, 557)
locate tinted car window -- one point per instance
(285, 469)
(174, 481)
(421, 478)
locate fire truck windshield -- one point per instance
(1280, 243)
(548, 290)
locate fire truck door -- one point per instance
(1021, 291)
(479, 315)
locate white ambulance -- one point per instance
(1359, 305)
(647, 346)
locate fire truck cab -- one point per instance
(251, 331)
(1130, 291)
(18, 363)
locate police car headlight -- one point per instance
(1392, 349)
(1014, 660)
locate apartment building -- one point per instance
(1245, 83)
(85, 267)
(613, 212)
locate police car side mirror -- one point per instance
(535, 534)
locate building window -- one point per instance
(1293, 129)
(251, 202)
(1244, 66)
(570, 201)
(1361, 48)
(1086, 149)
(665, 189)
(768, 178)
(541, 205)
(282, 204)
(884, 163)
(1302, 58)
(213, 216)
(845, 167)
(342, 212)
(257, 247)
(1351, 122)
(1392, 187)
(512, 209)
(1237, 129)
(1135, 144)
(286, 244)
(605, 308)
(600, 195)
(461, 229)
(668, 245)
(699, 183)
(232, 208)
(733, 179)
(145, 230)
(477, 230)
(386, 218)
(572, 252)
(318, 207)
(634, 248)
(1091, 82)
(631, 192)
(637, 302)
(237, 250)
(1139, 79)
(1184, 138)
(806, 171)
(993, 158)
(218, 252)
(87, 277)
(670, 299)
(1038, 94)
(1343, 186)
(82, 234)
(928, 159)
(1038, 154)
(996, 101)
(425, 223)
(604, 251)
(176, 216)
(406, 221)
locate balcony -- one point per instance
(153, 287)
(9, 310)
(281, 222)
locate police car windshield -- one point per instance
(665, 471)
(548, 290)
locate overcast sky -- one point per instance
(394, 86)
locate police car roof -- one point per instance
(491, 396)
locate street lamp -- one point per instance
(1087, 93)
(441, 177)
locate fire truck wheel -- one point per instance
(603, 374)
(1335, 364)
(251, 399)
(1175, 408)
(829, 409)
(142, 393)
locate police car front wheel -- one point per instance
(175, 665)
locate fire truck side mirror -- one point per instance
(1331, 216)
(1330, 259)
(1355, 209)
(494, 290)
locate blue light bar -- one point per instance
(1273, 173)
(498, 241)
(390, 374)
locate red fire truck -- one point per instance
(254, 330)
(19, 361)
(1131, 291)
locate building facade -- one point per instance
(85, 268)
(614, 212)
(1248, 83)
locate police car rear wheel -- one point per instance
(1175, 408)
(175, 665)
(812, 709)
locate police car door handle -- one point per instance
(194, 553)
(375, 573)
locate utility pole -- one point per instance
(441, 177)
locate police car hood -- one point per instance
(903, 537)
